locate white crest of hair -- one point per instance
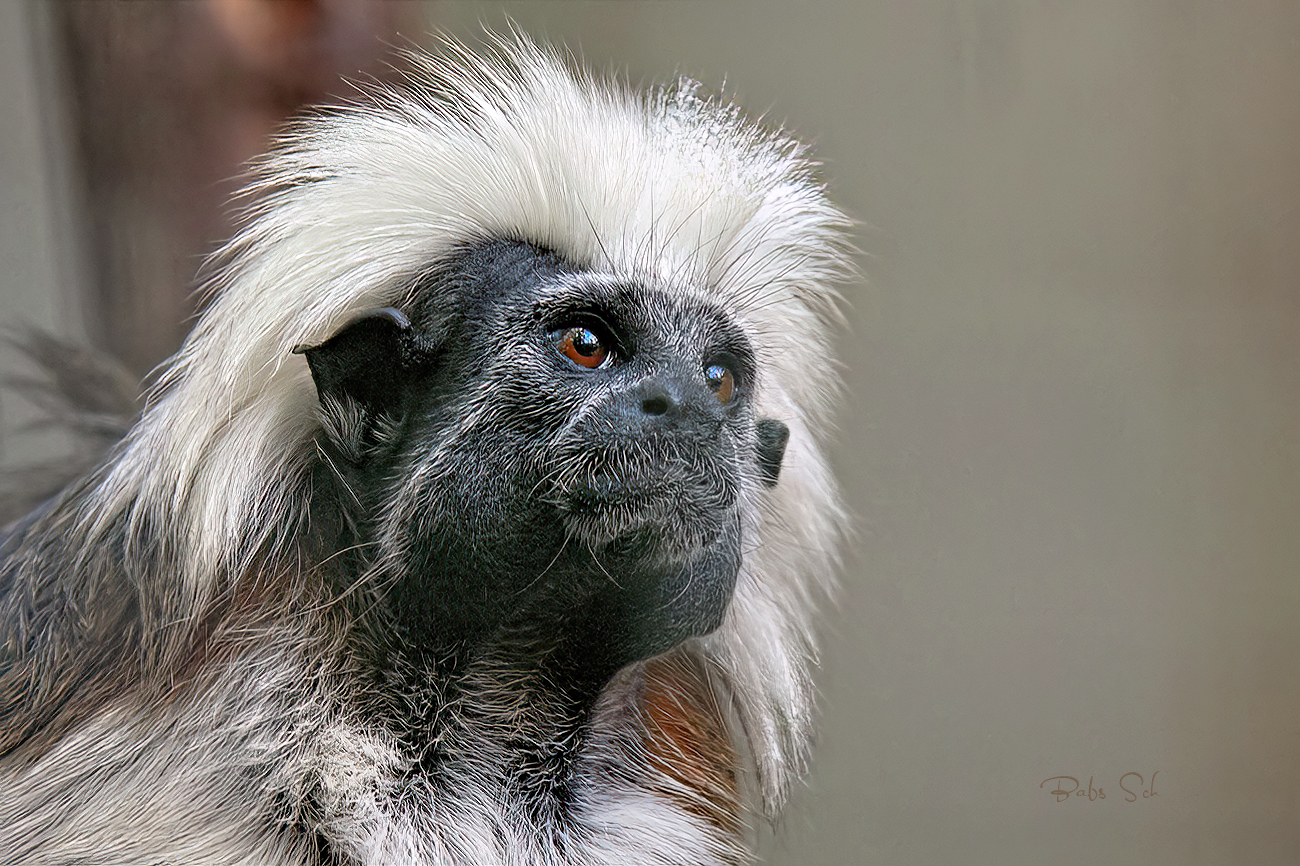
(671, 188)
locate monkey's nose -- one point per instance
(655, 402)
(665, 402)
(656, 399)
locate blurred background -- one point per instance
(1071, 435)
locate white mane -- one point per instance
(674, 189)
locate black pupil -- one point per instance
(715, 374)
(585, 342)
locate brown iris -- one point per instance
(582, 346)
(721, 381)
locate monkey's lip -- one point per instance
(662, 489)
(614, 491)
(683, 513)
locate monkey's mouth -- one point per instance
(683, 505)
(611, 491)
(652, 589)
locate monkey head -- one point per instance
(532, 443)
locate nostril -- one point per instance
(656, 405)
(656, 400)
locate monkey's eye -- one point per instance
(582, 346)
(722, 382)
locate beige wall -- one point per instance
(1072, 433)
(40, 265)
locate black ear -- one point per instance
(772, 437)
(362, 375)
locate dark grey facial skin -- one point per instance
(566, 519)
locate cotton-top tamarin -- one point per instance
(481, 518)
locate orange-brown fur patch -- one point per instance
(688, 742)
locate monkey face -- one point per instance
(531, 443)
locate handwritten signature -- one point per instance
(1066, 787)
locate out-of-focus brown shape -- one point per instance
(170, 100)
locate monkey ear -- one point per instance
(772, 437)
(361, 375)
